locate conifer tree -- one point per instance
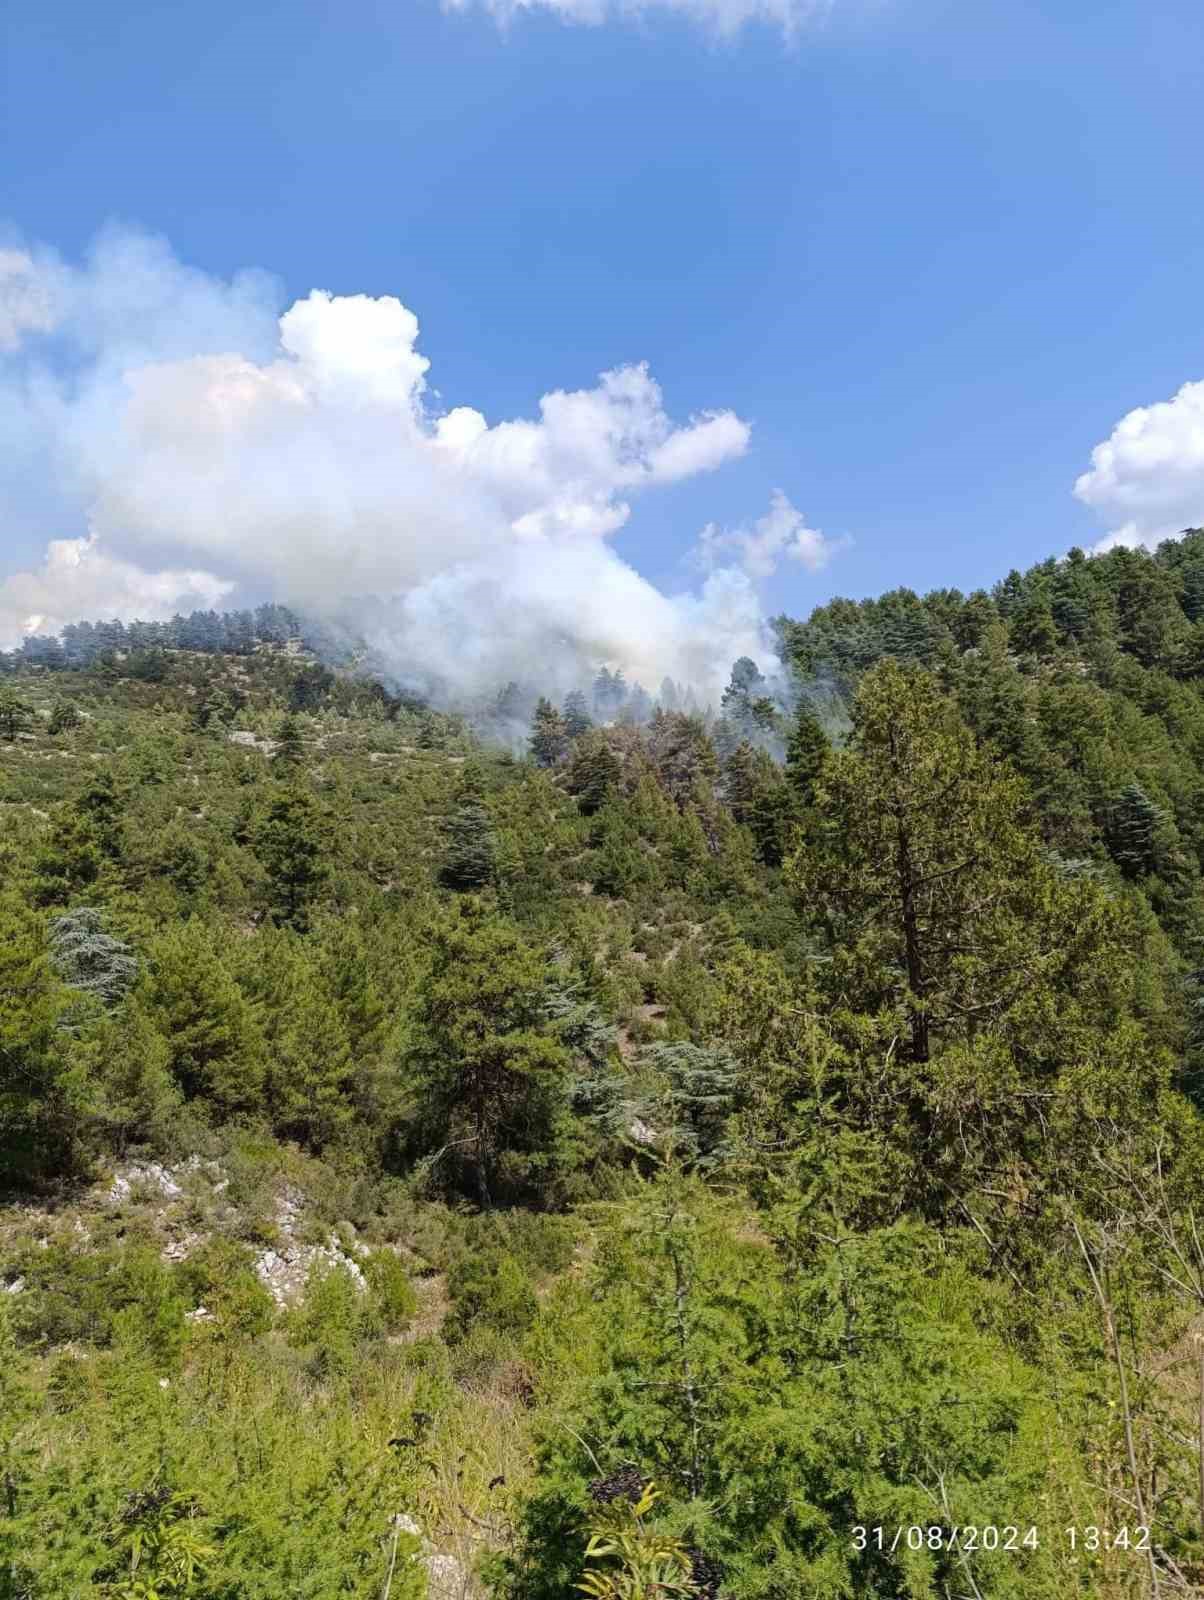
(745, 687)
(310, 1067)
(1134, 831)
(1192, 581)
(609, 692)
(495, 1080)
(14, 713)
(215, 1048)
(292, 842)
(925, 869)
(68, 860)
(64, 717)
(36, 1092)
(470, 850)
(639, 705)
(126, 1062)
(100, 804)
(740, 782)
(214, 710)
(807, 753)
(508, 704)
(1032, 628)
(682, 754)
(593, 772)
(973, 619)
(549, 734)
(90, 960)
(577, 719)
(290, 747)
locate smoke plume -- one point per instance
(175, 441)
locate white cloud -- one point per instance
(723, 17)
(782, 533)
(78, 580)
(1147, 477)
(210, 446)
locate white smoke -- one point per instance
(781, 532)
(210, 448)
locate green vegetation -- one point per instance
(641, 1161)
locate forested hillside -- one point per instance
(727, 1136)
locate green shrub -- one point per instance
(333, 1318)
(116, 1295)
(492, 1291)
(394, 1301)
(220, 1276)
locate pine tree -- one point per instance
(38, 1113)
(594, 772)
(972, 621)
(290, 746)
(126, 1062)
(549, 734)
(292, 843)
(759, 798)
(495, 1080)
(740, 784)
(639, 705)
(577, 719)
(682, 755)
(310, 1064)
(15, 714)
(807, 754)
(1192, 581)
(64, 717)
(470, 853)
(745, 687)
(1134, 831)
(215, 1048)
(1032, 628)
(609, 693)
(926, 874)
(214, 710)
(101, 806)
(69, 859)
(508, 704)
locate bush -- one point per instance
(492, 1291)
(331, 1321)
(394, 1301)
(118, 1295)
(220, 1276)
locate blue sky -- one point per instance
(931, 252)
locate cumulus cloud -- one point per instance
(782, 533)
(209, 447)
(723, 17)
(1147, 477)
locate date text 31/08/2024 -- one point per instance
(934, 1536)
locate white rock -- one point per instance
(181, 1249)
(16, 1286)
(446, 1578)
(148, 1175)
